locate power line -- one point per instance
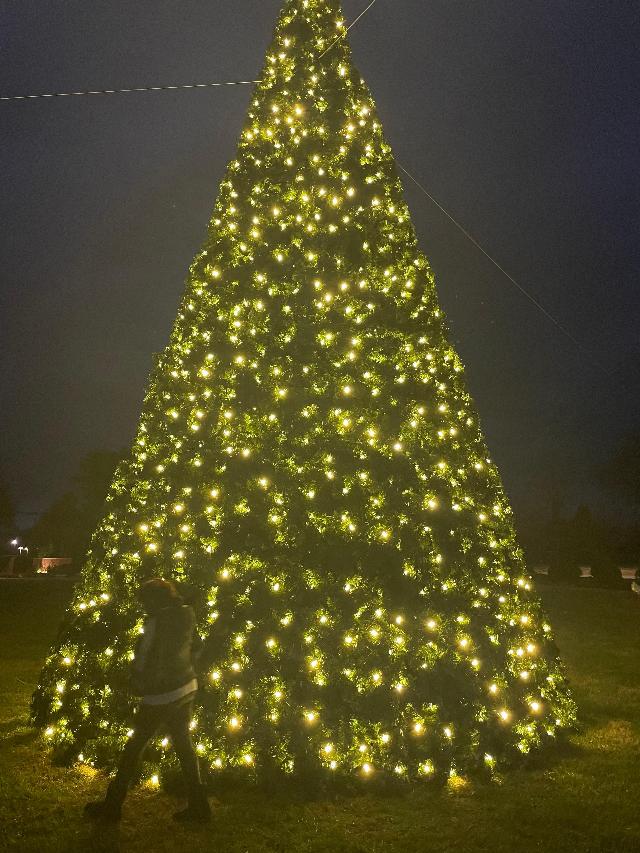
(520, 287)
(568, 401)
(170, 88)
(127, 90)
(421, 187)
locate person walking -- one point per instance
(164, 676)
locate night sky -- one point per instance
(521, 118)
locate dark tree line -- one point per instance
(621, 474)
(565, 544)
(64, 530)
(7, 508)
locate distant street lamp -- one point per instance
(23, 548)
(14, 542)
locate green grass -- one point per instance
(583, 799)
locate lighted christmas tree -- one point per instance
(309, 461)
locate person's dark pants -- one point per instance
(175, 718)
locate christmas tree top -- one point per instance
(310, 464)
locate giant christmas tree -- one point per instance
(309, 461)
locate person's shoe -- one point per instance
(193, 815)
(198, 810)
(103, 811)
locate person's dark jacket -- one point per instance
(165, 661)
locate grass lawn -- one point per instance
(584, 798)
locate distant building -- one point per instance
(51, 564)
(15, 565)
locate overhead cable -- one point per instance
(127, 90)
(170, 88)
(510, 278)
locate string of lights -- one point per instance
(309, 460)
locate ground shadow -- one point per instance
(20, 738)
(11, 725)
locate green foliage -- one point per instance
(309, 461)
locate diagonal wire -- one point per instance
(567, 403)
(343, 34)
(420, 186)
(130, 89)
(516, 284)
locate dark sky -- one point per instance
(521, 118)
